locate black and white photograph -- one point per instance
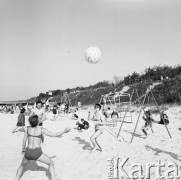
(90, 89)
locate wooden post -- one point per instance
(160, 113)
(138, 117)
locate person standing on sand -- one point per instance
(21, 121)
(33, 150)
(39, 111)
(79, 104)
(99, 127)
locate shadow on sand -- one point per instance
(135, 134)
(33, 166)
(158, 151)
(86, 144)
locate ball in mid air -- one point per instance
(93, 55)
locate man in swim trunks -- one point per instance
(39, 111)
(33, 151)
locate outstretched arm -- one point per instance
(58, 134)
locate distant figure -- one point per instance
(79, 104)
(83, 125)
(21, 121)
(89, 116)
(54, 110)
(75, 114)
(48, 114)
(108, 113)
(148, 122)
(163, 119)
(33, 150)
(114, 117)
(66, 107)
(39, 111)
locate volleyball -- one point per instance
(93, 55)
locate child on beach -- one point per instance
(163, 119)
(148, 122)
(115, 117)
(21, 121)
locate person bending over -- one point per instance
(83, 125)
(33, 151)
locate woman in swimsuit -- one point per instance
(99, 127)
(33, 151)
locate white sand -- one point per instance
(71, 153)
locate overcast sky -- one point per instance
(42, 43)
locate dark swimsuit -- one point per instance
(164, 120)
(148, 122)
(21, 120)
(33, 154)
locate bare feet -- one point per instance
(96, 148)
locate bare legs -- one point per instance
(114, 118)
(17, 128)
(46, 160)
(93, 138)
(21, 168)
(145, 128)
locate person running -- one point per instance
(148, 122)
(21, 121)
(33, 150)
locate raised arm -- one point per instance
(58, 134)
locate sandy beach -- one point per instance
(71, 153)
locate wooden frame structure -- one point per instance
(142, 104)
(149, 91)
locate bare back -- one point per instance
(34, 136)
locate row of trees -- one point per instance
(153, 74)
(169, 91)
